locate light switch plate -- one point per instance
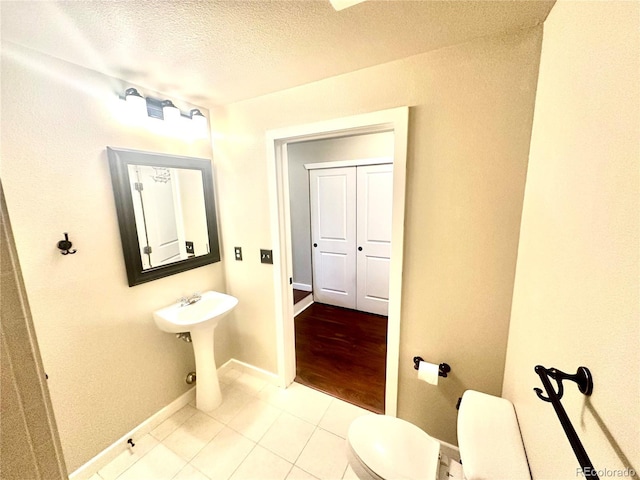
(266, 256)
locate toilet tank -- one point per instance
(489, 439)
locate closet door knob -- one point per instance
(315, 244)
(359, 249)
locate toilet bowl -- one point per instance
(383, 447)
(380, 447)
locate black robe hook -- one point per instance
(65, 246)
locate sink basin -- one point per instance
(200, 320)
(206, 312)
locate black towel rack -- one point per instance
(585, 384)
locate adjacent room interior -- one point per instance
(515, 202)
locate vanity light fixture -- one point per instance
(163, 109)
(132, 96)
(136, 104)
(198, 117)
(170, 112)
(199, 122)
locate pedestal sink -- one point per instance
(200, 320)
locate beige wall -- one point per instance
(577, 297)
(109, 367)
(470, 125)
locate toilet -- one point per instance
(380, 447)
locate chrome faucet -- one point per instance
(184, 301)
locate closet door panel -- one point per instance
(374, 203)
(333, 234)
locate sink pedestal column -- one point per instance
(208, 396)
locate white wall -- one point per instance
(356, 147)
(109, 367)
(469, 131)
(576, 298)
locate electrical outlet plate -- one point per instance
(238, 253)
(266, 256)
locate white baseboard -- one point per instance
(111, 452)
(302, 286)
(271, 378)
(302, 305)
(120, 445)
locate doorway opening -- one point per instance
(394, 120)
(327, 339)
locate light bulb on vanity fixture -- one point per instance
(131, 95)
(135, 102)
(170, 112)
(199, 122)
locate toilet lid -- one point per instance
(394, 448)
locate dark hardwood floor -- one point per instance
(342, 352)
(299, 295)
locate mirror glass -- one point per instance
(166, 212)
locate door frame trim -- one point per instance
(396, 120)
(349, 163)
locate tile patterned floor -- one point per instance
(259, 432)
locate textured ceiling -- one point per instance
(218, 52)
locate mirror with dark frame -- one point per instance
(166, 213)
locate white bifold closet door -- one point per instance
(351, 236)
(374, 202)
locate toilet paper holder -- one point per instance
(443, 368)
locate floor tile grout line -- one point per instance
(316, 427)
(199, 471)
(206, 444)
(302, 450)
(305, 471)
(243, 460)
(345, 471)
(262, 436)
(254, 394)
(179, 425)
(188, 464)
(139, 458)
(289, 472)
(194, 455)
(276, 453)
(325, 412)
(255, 444)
